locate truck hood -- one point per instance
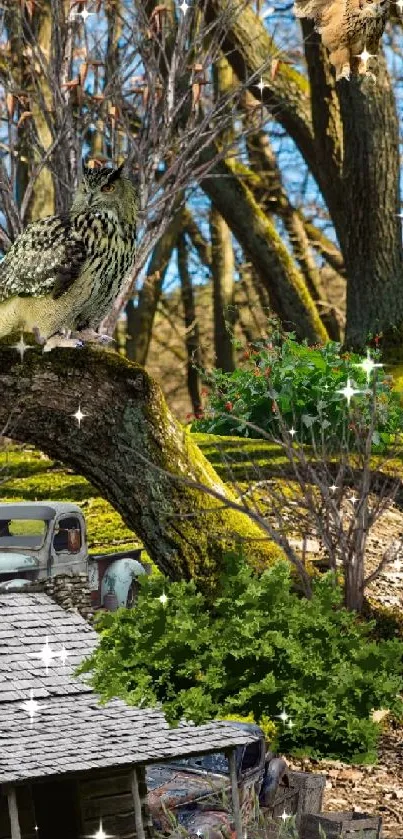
(171, 787)
(11, 562)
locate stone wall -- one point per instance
(71, 592)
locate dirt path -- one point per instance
(377, 790)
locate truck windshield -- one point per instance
(22, 533)
(216, 763)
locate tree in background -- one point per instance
(135, 80)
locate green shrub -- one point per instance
(304, 381)
(257, 649)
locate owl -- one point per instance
(350, 29)
(63, 273)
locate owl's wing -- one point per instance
(45, 259)
(311, 8)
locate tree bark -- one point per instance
(347, 134)
(222, 268)
(192, 338)
(262, 244)
(142, 318)
(127, 436)
(371, 237)
(357, 139)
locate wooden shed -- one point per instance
(76, 764)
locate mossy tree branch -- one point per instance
(127, 429)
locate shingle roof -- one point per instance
(71, 732)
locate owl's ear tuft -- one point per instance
(116, 173)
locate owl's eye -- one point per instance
(108, 188)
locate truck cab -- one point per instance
(42, 539)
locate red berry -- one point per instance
(228, 406)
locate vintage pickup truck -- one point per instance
(196, 790)
(44, 538)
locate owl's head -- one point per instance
(106, 189)
(373, 8)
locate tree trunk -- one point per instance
(127, 436)
(192, 338)
(142, 318)
(262, 244)
(371, 238)
(347, 134)
(222, 252)
(42, 200)
(222, 267)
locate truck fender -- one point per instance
(276, 771)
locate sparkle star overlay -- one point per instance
(22, 347)
(84, 14)
(31, 706)
(79, 416)
(348, 391)
(47, 655)
(368, 365)
(100, 833)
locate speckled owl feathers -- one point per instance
(63, 273)
(347, 29)
(46, 258)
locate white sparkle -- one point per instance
(349, 391)
(292, 431)
(30, 706)
(79, 416)
(285, 816)
(261, 85)
(353, 499)
(368, 365)
(364, 56)
(100, 834)
(46, 654)
(290, 724)
(63, 655)
(84, 14)
(184, 6)
(163, 598)
(283, 716)
(399, 5)
(21, 347)
(333, 488)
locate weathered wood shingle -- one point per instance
(71, 731)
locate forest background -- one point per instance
(270, 204)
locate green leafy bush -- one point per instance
(304, 381)
(257, 649)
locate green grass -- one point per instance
(31, 476)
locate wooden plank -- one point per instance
(108, 805)
(13, 813)
(138, 813)
(236, 809)
(108, 783)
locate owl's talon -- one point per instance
(61, 341)
(93, 337)
(345, 73)
(38, 337)
(106, 339)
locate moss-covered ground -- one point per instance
(28, 475)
